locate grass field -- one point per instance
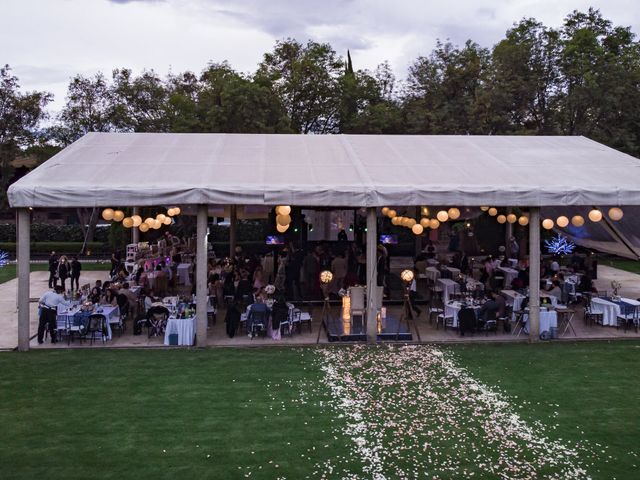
(342, 412)
(9, 272)
(632, 266)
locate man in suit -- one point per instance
(53, 269)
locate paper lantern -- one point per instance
(144, 227)
(454, 213)
(395, 221)
(160, 217)
(282, 228)
(284, 210)
(511, 218)
(615, 213)
(127, 222)
(176, 211)
(547, 223)
(484, 209)
(392, 213)
(595, 215)
(577, 221)
(385, 211)
(493, 211)
(156, 225)
(501, 219)
(407, 276)
(137, 220)
(424, 211)
(326, 276)
(167, 221)
(171, 212)
(442, 216)
(433, 223)
(118, 215)
(562, 221)
(411, 223)
(107, 214)
(523, 220)
(424, 222)
(150, 221)
(283, 220)
(417, 229)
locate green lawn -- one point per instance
(9, 272)
(623, 264)
(266, 412)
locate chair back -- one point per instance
(96, 323)
(357, 298)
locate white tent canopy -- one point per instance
(143, 169)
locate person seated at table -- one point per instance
(258, 313)
(555, 290)
(492, 309)
(132, 299)
(96, 292)
(109, 297)
(244, 290)
(279, 314)
(149, 299)
(48, 304)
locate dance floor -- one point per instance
(390, 328)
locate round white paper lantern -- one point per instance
(493, 211)
(512, 218)
(547, 224)
(615, 213)
(595, 215)
(577, 220)
(523, 220)
(562, 221)
(137, 220)
(453, 213)
(107, 214)
(417, 229)
(501, 219)
(442, 216)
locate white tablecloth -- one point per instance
(548, 319)
(455, 272)
(432, 273)
(65, 316)
(449, 287)
(509, 275)
(432, 262)
(183, 273)
(184, 327)
(453, 308)
(609, 310)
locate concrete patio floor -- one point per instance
(217, 336)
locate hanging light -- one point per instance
(424, 222)
(595, 215)
(417, 229)
(284, 210)
(424, 211)
(107, 214)
(523, 220)
(156, 225)
(562, 221)
(395, 221)
(326, 276)
(385, 211)
(171, 212)
(144, 227)
(442, 216)
(127, 222)
(547, 223)
(493, 211)
(411, 223)
(283, 220)
(392, 213)
(150, 221)
(176, 211)
(167, 221)
(501, 219)
(282, 228)
(407, 276)
(433, 223)
(615, 213)
(484, 209)
(160, 217)
(118, 215)
(454, 213)
(137, 220)
(577, 221)
(512, 218)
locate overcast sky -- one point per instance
(48, 41)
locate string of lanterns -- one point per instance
(562, 221)
(417, 227)
(135, 221)
(283, 218)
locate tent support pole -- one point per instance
(372, 276)
(507, 236)
(135, 232)
(24, 257)
(233, 223)
(534, 274)
(201, 276)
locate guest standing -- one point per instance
(76, 267)
(63, 271)
(53, 269)
(49, 311)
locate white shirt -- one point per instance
(52, 299)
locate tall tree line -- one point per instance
(580, 79)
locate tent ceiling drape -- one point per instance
(138, 169)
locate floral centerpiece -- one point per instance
(616, 286)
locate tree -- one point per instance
(442, 90)
(20, 117)
(306, 79)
